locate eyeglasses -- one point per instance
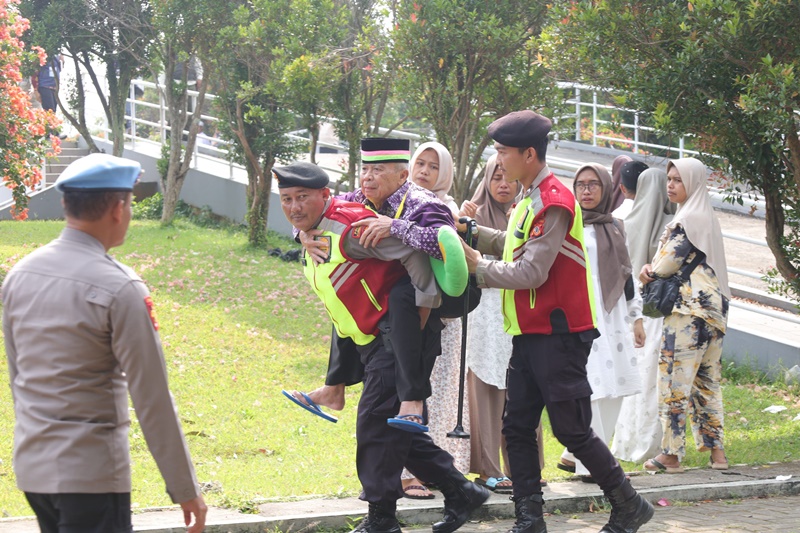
(593, 186)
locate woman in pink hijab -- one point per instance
(616, 179)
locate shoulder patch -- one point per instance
(538, 226)
(357, 232)
(148, 301)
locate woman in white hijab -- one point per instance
(637, 435)
(689, 366)
(431, 167)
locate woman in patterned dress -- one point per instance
(690, 368)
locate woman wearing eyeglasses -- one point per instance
(610, 367)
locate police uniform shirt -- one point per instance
(79, 335)
(539, 254)
(416, 263)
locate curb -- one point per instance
(500, 507)
(342, 514)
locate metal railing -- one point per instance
(597, 103)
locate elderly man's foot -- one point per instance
(413, 410)
(410, 417)
(330, 396)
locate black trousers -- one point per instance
(414, 353)
(48, 96)
(550, 371)
(381, 450)
(82, 513)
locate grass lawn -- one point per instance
(237, 326)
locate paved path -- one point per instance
(753, 515)
(757, 499)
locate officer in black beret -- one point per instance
(549, 308)
(354, 282)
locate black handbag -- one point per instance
(453, 306)
(659, 296)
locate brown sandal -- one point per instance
(426, 494)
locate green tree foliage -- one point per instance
(253, 51)
(365, 74)
(723, 70)
(114, 32)
(185, 34)
(313, 43)
(463, 64)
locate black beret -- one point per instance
(520, 129)
(630, 174)
(301, 174)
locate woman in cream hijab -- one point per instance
(689, 366)
(431, 167)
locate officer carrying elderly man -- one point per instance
(354, 282)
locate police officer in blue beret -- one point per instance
(80, 334)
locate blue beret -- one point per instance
(99, 173)
(520, 129)
(301, 174)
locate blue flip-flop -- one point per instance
(402, 422)
(312, 407)
(493, 484)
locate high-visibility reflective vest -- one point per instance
(355, 292)
(564, 303)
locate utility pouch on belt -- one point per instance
(386, 331)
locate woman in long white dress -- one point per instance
(611, 367)
(431, 167)
(638, 433)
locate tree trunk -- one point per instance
(177, 120)
(171, 197)
(78, 121)
(118, 95)
(313, 131)
(794, 154)
(259, 185)
(353, 155)
(775, 219)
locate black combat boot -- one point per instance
(461, 496)
(530, 517)
(382, 518)
(628, 510)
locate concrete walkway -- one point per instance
(751, 515)
(758, 499)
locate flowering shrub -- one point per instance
(24, 137)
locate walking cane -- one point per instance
(458, 432)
